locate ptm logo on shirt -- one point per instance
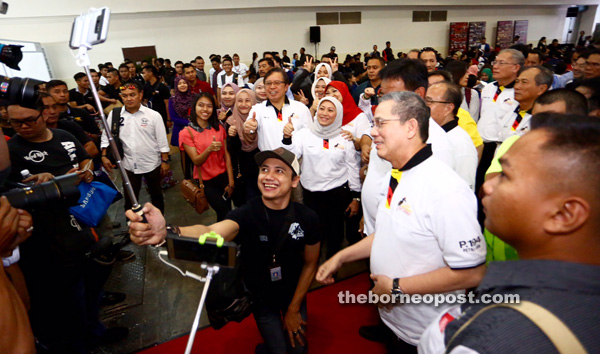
(144, 122)
(36, 156)
(296, 231)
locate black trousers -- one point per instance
(214, 190)
(330, 206)
(153, 180)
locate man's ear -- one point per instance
(295, 181)
(570, 215)
(421, 92)
(412, 128)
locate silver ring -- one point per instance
(296, 333)
(252, 132)
(29, 229)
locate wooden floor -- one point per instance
(161, 304)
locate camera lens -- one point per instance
(61, 189)
(21, 91)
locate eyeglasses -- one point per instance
(128, 87)
(501, 63)
(429, 101)
(273, 83)
(379, 122)
(28, 121)
(575, 65)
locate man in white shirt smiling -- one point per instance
(145, 146)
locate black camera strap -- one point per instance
(115, 129)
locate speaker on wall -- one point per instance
(315, 34)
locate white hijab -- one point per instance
(333, 129)
(314, 86)
(327, 66)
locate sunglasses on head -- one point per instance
(128, 87)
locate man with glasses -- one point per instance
(578, 72)
(592, 65)
(497, 99)
(444, 100)
(426, 239)
(267, 119)
(62, 281)
(145, 147)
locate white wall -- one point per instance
(181, 35)
(589, 19)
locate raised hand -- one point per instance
(369, 92)
(303, 98)
(250, 125)
(232, 131)
(334, 65)
(288, 128)
(308, 65)
(215, 145)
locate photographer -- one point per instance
(15, 227)
(63, 283)
(280, 242)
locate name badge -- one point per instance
(275, 271)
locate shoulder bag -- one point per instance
(193, 193)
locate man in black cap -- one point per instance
(332, 53)
(280, 242)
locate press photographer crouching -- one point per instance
(15, 227)
(280, 245)
(64, 284)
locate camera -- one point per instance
(21, 91)
(62, 190)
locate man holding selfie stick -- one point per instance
(280, 242)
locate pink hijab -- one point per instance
(238, 119)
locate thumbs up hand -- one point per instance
(250, 125)
(232, 131)
(215, 145)
(288, 128)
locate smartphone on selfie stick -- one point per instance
(89, 29)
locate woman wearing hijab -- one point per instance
(355, 122)
(329, 168)
(323, 70)
(259, 90)
(179, 108)
(227, 101)
(241, 149)
(318, 91)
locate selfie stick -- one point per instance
(211, 269)
(83, 60)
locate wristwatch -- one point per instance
(356, 199)
(166, 161)
(396, 291)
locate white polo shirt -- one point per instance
(378, 168)
(229, 79)
(270, 128)
(325, 164)
(431, 223)
(241, 70)
(510, 126)
(464, 152)
(493, 110)
(144, 139)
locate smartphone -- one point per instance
(212, 251)
(225, 196)
(91, 28)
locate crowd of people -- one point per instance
(428, 166)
